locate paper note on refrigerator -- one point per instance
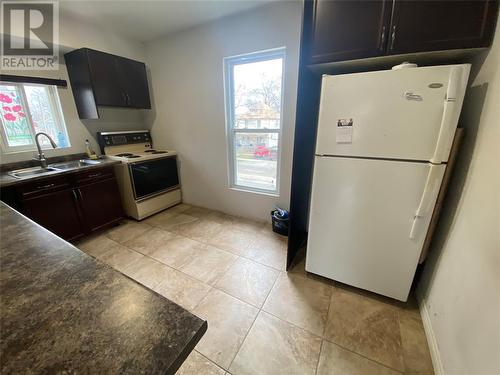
(344, 130)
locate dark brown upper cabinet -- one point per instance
(136, 83)
(347, 30)
(102, 79)
(419, 26)
(353, 29)
(105, 80)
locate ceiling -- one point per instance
(144, 20)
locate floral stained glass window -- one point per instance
(26, 109)
(15, 124)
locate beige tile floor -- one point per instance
(261, 319)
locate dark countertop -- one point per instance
(7, 180)
(62, 311)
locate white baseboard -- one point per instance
(431, 338)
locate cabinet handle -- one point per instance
(382, 39)
(94, 175)
(75, 197)
(46, 186)
(393, 37)
(128, 99)
(80, 194)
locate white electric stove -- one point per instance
(148, 178)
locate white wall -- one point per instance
(187, 71)
(461, 282)
(77, 33)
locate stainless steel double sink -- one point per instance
(53, 168)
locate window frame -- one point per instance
(56, 109)
(231, 131)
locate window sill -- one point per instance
(250, 190)
(5, 152)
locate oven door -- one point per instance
(153, 177)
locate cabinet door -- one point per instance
(133, 77)
(346, 30)
(106, 83)
(100, 203)
(419, 26)
(56, 211)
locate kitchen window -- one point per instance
(26, 109)
(254, 93)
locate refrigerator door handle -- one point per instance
(429, 194)
(449, 119)
(415, 227)
(446, 132)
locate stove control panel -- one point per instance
(108, 139)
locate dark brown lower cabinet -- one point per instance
(55, 211)
(100, 203)
(74, 205)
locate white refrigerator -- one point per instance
(382, 146)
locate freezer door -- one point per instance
(368, 221)
(407, 114)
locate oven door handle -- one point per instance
(141, 169)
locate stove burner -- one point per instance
(132, 156)
(153, 151)
(159, 152)
(125, 154)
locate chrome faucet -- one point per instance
(41, 156)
